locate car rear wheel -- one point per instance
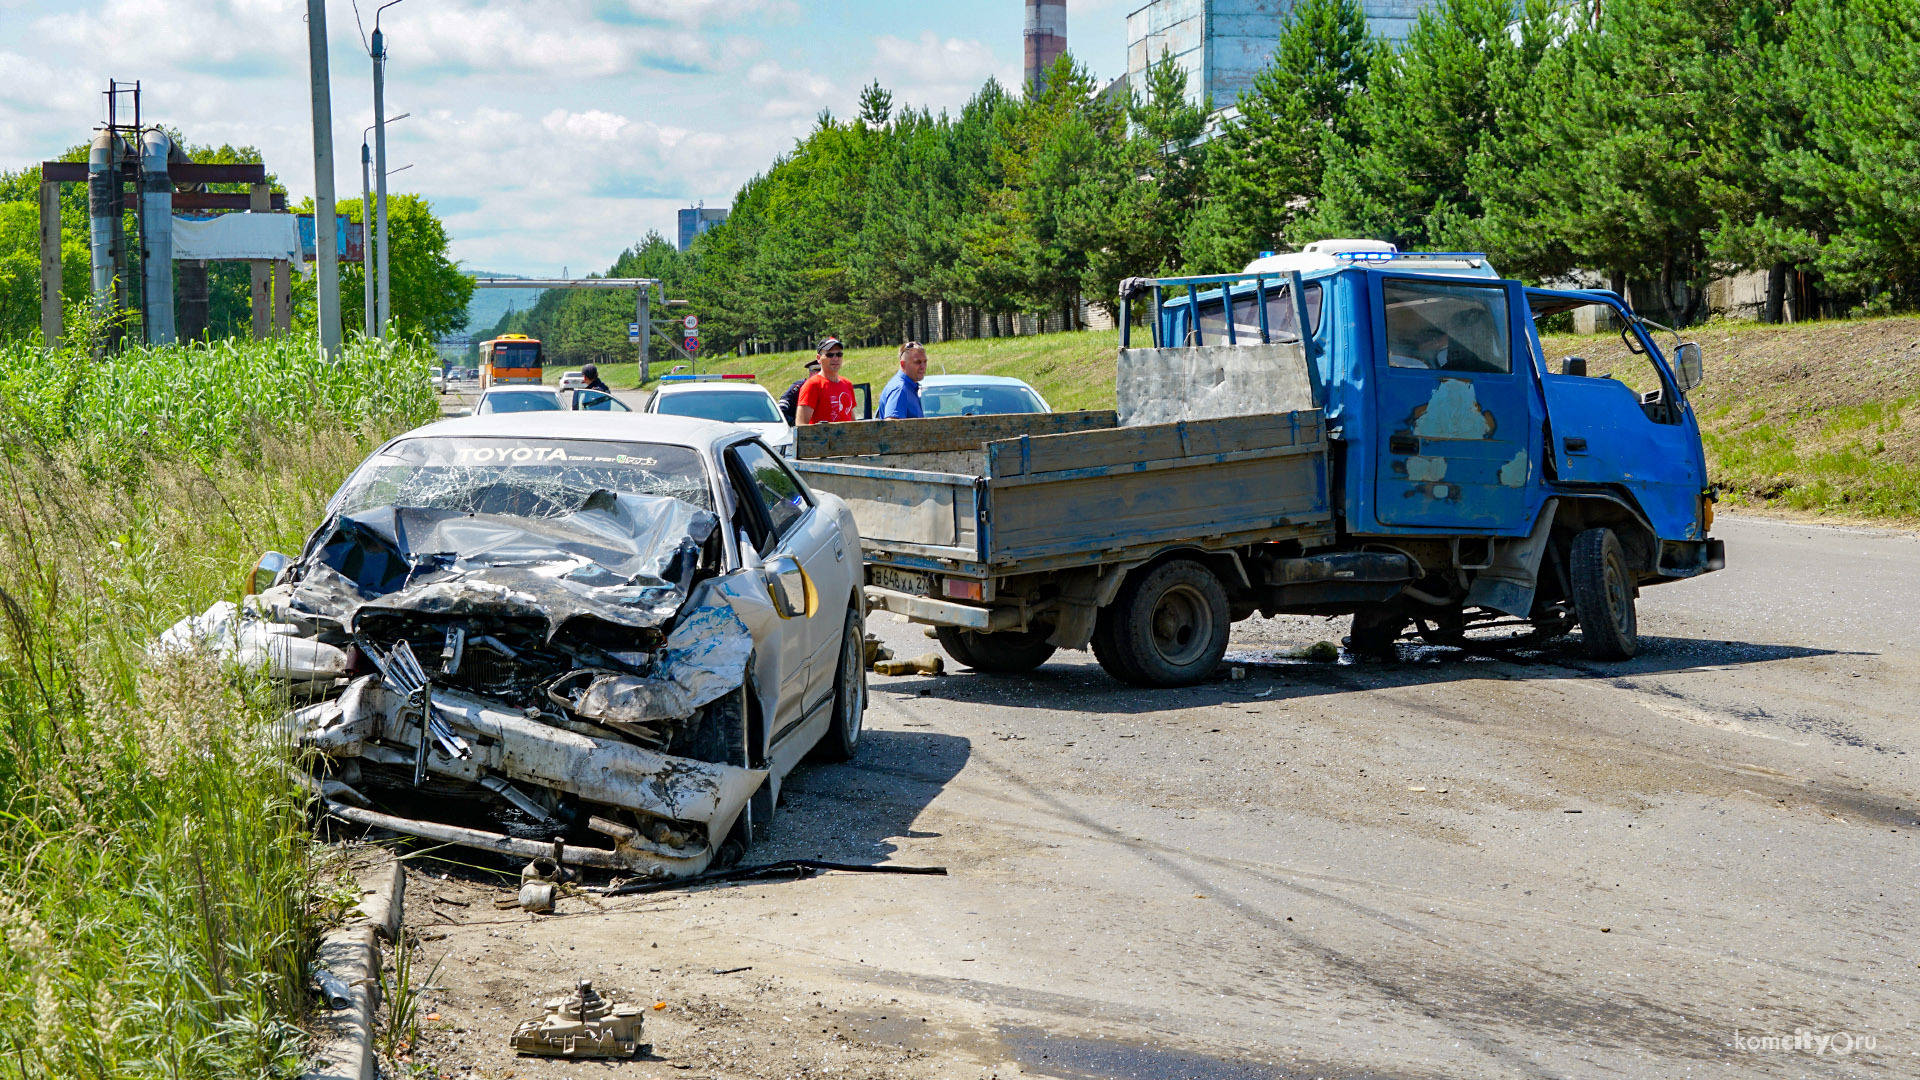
(1603, 595)
(1168, 626)
(849, 694)
(1009, 652)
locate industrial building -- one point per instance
(1223, 44)
(695, 220)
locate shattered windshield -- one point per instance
(533, 478)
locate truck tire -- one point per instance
(1168, 626)
(957, 642)
(1375, 628)
(849, 694)
(1603, 589)
(1009, 652)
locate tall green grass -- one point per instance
(156, 882)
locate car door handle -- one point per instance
(1403, 444)
(1574, 444)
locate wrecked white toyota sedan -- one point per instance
(619, 632)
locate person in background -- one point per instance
(901, 398)
(826, 398)
(591, 373)
(790, 401)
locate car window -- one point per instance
(597, 400)
(725, 406)
(521, 477)
(978, 400)
(512, 401)
(775, 489)
(1458, 328)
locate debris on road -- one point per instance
(786, 868)
(582, 1025)
(924, 664)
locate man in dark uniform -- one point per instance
(790, 401)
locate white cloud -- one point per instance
(937, 73)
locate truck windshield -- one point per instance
(1447, 327)
(520, 477)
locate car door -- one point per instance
(791, 523)
(1619, 419)
(1457, 432)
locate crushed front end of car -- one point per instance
(503, 680)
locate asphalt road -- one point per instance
(1453, 866)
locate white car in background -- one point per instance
(518, 399)
(726, 399)
(975, 395)
(572, 380)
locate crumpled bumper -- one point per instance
(693, 803)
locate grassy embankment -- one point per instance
(158, 894)
(1821, 417)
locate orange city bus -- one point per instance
(509, 358)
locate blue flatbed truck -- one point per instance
(1412, 459)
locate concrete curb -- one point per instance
(352, 954)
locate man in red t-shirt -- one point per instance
(826, 398)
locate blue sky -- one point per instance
(549, 133)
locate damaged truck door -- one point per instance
(510, 631)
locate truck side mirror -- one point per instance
(1691, 365)
(1573, 365)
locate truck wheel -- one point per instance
(1006, 653)
(849, 694)
(1167, 627)
(1603, 595)
(957, 642)
(1375, 628)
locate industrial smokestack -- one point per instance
(156, 219)
(1046, 39)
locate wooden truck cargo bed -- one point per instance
(996, 496)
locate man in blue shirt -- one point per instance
(901, 398)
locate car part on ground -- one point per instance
(581, 1025)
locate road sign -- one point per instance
(633, 331)
(692, 322)
(692, 344)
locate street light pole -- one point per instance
(380, 162)
(328, 285)
(366, 232)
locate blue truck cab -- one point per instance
(1523, 490)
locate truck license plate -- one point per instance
(907, 581)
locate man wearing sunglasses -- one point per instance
(826, 398)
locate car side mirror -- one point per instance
(267, 572)
(790, 588)
(1691, 365)
(1573, 365)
